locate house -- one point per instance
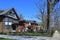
(20, 27)
(34, 26)
(8, 20)
(25, 25)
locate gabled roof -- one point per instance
(4, 12)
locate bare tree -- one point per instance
(56, 21)
(42, 15)
(50, 6)
(56, 18)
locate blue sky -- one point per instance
(25, 7)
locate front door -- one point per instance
(13, 26)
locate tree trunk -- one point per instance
(50, 7)
(49, 12)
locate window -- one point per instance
(6, 20)
(7, 27)
(9, 19)
(7, 23)
(10, 23)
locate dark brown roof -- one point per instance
(23, 21)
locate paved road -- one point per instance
(35, 38)
(25, 37)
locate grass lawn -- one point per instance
(32, 34)
(6, 39)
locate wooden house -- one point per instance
(8, 20)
